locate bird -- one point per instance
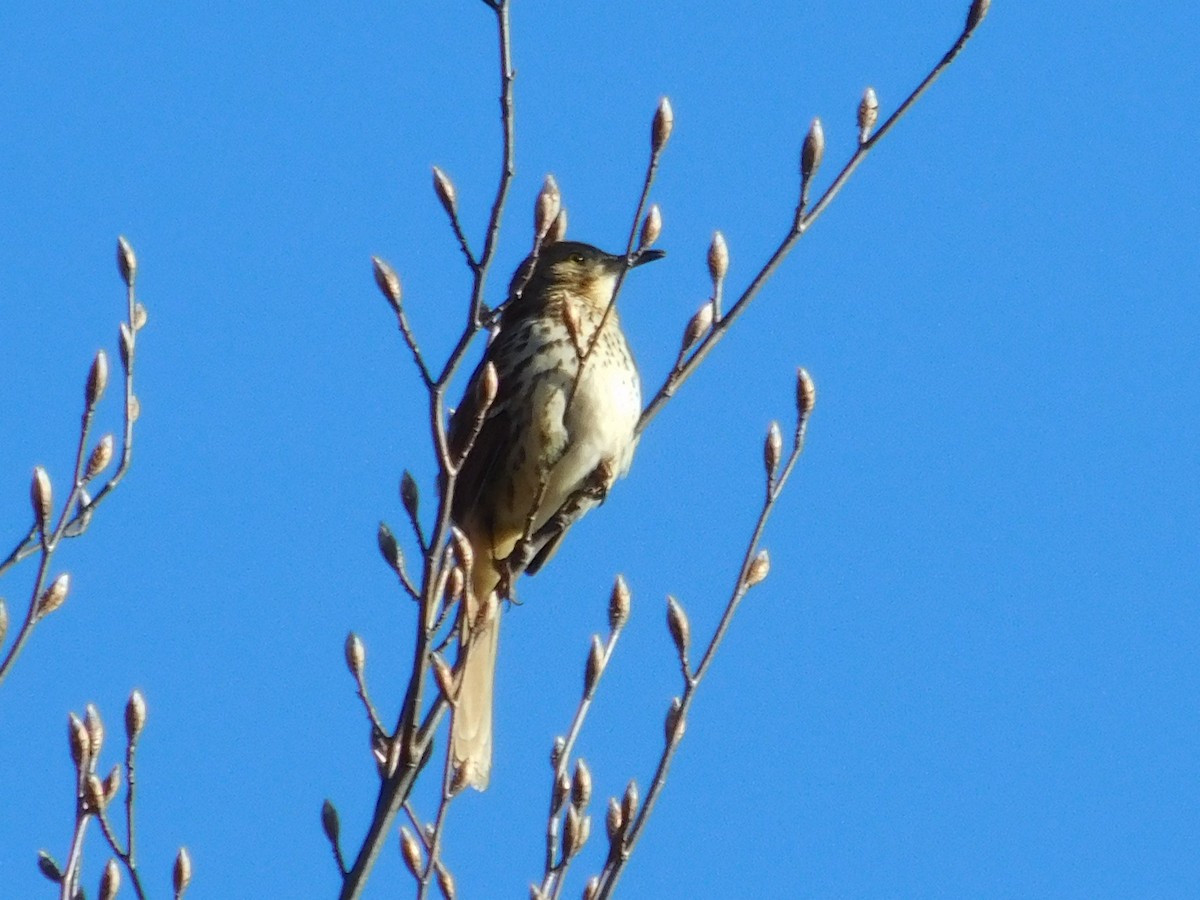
(567, 398)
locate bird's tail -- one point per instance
(471, 722)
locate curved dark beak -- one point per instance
(646, 256)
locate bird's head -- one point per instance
(576, 268)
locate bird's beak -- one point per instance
(646, 256)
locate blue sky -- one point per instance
(973, 670)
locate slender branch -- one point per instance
(79, 506)
(753, 569)
(802, 221)
(508, 155)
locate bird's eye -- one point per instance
(577, 258)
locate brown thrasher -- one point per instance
(566, 406)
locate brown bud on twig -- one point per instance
(581, 785)
(78, 739)
(101, 456)
(444, 676)
(410, 495)
(126, 261)
(133, 409)
(356, 655)
(813, 151)
(95, 728)
(388, 282)
(41, 495)
(868, 113)
(444, 188)
(697, 327)
(545, 210)
(410, 848)
(806, 393)
(979, 9)
(718, 258)
(112, 784)
(486, 388)
(651, 228)
(3, 620)
(93, 792)
(110, 880)
(389, 549)
(562, 790)
(54, 596)
(446, 882)
(556, 752)
(677, 624)
(181, 877)
(140, 317)
(758, 569)
(135, 716)
(330, 823)
(592, 889)
(629, 803)
(674, 725)
(664, 122)
(558, 231)
(772, 450)
(618, 604)
(49, 868)
(576, 829)
(97, 379)
(125, 344)
(595, 666)
(614, 820)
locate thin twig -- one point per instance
(801, 222)
(78, 508)
(554, 870)
(746, 578)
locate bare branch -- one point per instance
(752, 571)
(803, 220)
(79, 505)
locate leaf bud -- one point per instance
(444, 188)
(664, 122)
(54, 596)
(979, 9)
(868, 113)
(41, 495)
(356, 655)
(618, 604)
(595, 666)
(677, 624)
(100, 457)
(674, 725)
(135, 716)
(388, 282)
(126, 261)
(110, 880)
(718, 258)
(651, 228)
(813, 151)
(97, 379)
(759, 568)
(772, 450)
(181, 877)
(330, 823)
(389, 549)
(581, 785)
(806, 393)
